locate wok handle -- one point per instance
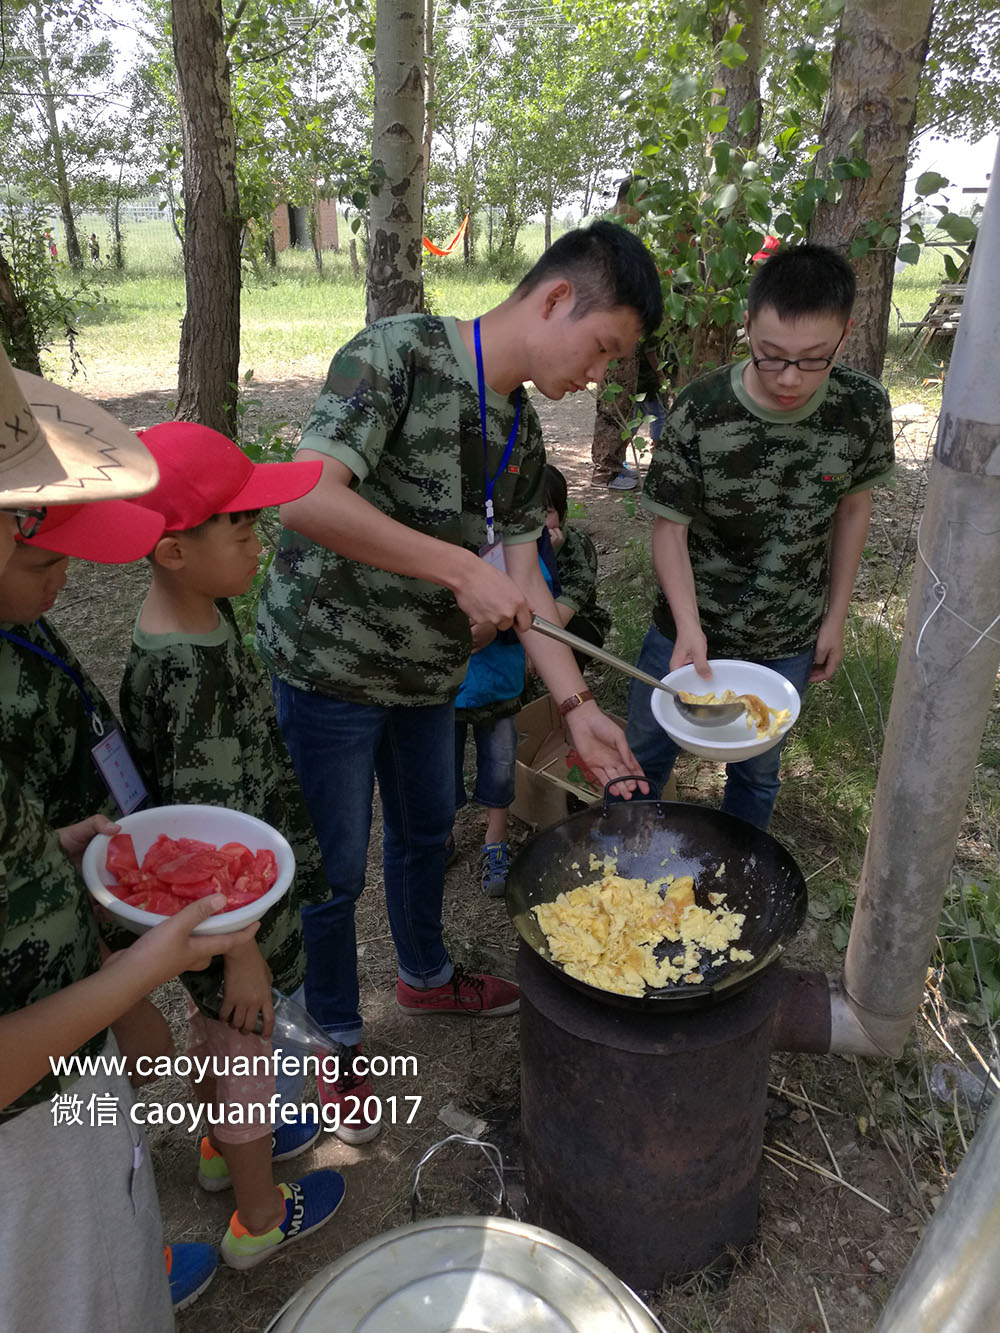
(636, 795)
(601, 654)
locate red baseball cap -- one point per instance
(112, 532)
(202, 473)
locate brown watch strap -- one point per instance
(574, 701)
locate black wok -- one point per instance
(650, 839)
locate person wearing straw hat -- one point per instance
(80, 1234)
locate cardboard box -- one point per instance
(543, 786)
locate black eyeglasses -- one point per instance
(775, 364)
(28, 521)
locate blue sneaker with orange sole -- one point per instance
(190, 1269)
(309, 1205)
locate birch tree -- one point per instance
(395, 274)
(867, 126)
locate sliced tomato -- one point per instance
(163, 849)
(265, 866)
(235, 900)
(176, 871)
(238, 858)
(190, 867)
(121, 854)
(164, 903)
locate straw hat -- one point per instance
(57, 447)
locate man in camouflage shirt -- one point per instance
(761, 491)
(429, 446)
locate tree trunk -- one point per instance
(16, 322)
(395, 246)
(548, 223)
(314, 232)
(741, 83)
(429, 6)
(875, 75)
(210, 333)
(73, 252)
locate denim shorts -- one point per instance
(496, 763)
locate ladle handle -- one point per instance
(601, 654)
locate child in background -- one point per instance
(489, 698)
(576, 566)
(199, 712)
(90, 1241)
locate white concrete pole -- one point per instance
(944, 683)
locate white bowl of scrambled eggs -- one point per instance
(748, 735)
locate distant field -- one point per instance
(294, 317)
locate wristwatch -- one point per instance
(574, 701)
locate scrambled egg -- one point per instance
(768, 721)
(605, 933)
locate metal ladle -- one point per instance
(702, 715)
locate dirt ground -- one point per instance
(824, 1257)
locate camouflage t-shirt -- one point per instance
(48, 935)
(201, 721)
(46, 732)
(400, 408)
(758, 490)
(576, 564)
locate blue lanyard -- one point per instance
(96, 725)
(491, 481)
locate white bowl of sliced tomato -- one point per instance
(167, 857)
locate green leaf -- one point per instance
(721, 152)
(750, 170)
(889, 237)
(930, 182)
(951, 268)
(717, 119)
(725, 198)
(683, 88)
(731, 54)
(959, 227)
(908, 253)
(650, 149)
(748, 117)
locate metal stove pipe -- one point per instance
(947, 670)
(952, 1282)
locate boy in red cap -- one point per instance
(199, 713)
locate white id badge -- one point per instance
(492, 553)
(117, 768)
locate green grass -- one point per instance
(292, 317)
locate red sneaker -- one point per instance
(359, 1110)
(472, 993)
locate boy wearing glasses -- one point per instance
(761, 493)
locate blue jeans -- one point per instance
(751, 786)
(338, 750)
(496, 762)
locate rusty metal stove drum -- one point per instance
(642, 1118)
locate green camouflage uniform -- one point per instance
(576, 565)
(200, 718)
(759, 490)
(46, 736)
(48, 934)
(400, 408)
